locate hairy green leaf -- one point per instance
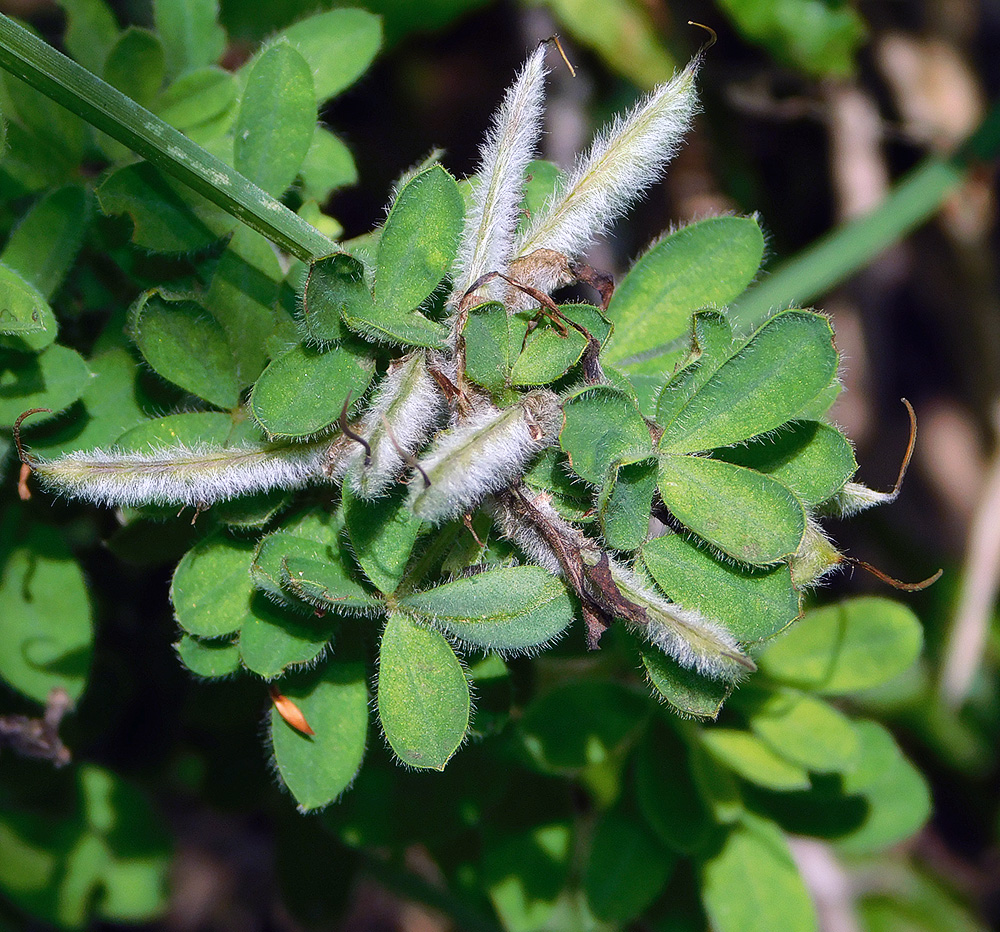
(211, 588)
(317, 768)
(423, 695)
(187, 346)
(706, 264)
(602, 426)
(782, 367)
(507, 609)
(748, 516)
(753, 603)
(302, 391)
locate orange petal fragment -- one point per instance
(289, 711)
(23, 491)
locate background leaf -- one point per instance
(752, 884)
(48, 630)
(838, 649)
(274, 128)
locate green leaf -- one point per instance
(490, 346)
(105, 856)
(136, 65)
(751, 517)
(805, 730)
(29, 162)
(274, 550)
(251, 511)
(821, 37)
(625, 503)
(113, 402)
(509, 608)
(690, 693)
(423, 695)
(626, 870)
(165, 217)
(47, 627)
(190, 32)
(277, 117)
(415, 249)
(334, 700)
(339, 45)
(209, 659)
(328, 165)
(303, 390)
(241, 298)
(706, 264)
(897, 796)
(43, 246)
(623, 33)
(335, 288)
(753, 885)
(753, 603)
(273, 639)
(711, 344)
(187, 346)
(91, 32)
(602, 426)
(570, 497)
(752, 759)
(814, 460)
(200, 99)
(419, 240)
(782, 367)
(382, 534)
(666, 792)
(549, 353)
(578, 725)
(189, 429)
(23, 309)
(524, 874)
(327, 584)
(53, 379)
(211, 588)
(63, 135)
(844, 648)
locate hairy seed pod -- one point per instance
(180, 475)
(483, 455)
(409, 401)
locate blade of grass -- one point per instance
(850, 247)
(38, 64)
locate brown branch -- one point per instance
(39, 737)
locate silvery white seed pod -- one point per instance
(181, 475)
(693, 640)
(498, 186)
(409, 401)
(625, 158)
(484, 454)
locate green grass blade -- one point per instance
(34, 61)
(851, 246)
